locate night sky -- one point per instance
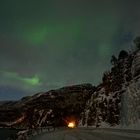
(47, 44)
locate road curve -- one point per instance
(84, 134)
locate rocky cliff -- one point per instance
(116, 100)
(54, 107)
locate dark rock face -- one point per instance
(86, 104)
(54, 107)
(110, 102)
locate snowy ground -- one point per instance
(89, 134)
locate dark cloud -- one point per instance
(49, 44)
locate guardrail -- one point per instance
(27, 134)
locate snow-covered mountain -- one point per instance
(54, 107)
(116, 100)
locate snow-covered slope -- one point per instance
(54, 107)
(116, 102)
(131, 97)
(131, 105)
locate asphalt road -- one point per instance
(87, 134)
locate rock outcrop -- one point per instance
(54, 107)
(116, 100)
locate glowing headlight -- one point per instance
(71, 124)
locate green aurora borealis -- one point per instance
(46, 44)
